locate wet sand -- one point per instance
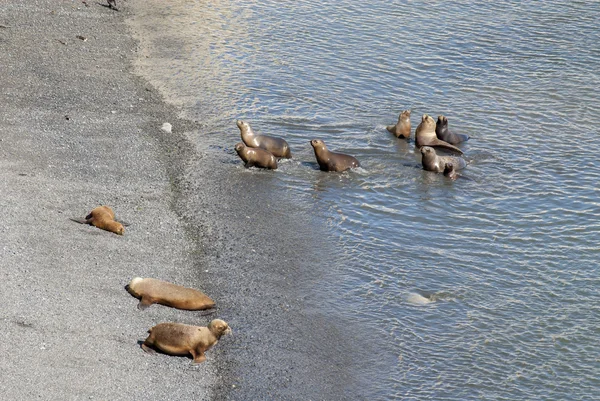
(80, 129)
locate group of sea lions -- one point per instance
(429, 135)
(264, 151)
(170, 338)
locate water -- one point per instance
(482, 288)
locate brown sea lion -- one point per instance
(443, 133)
(183, 339)
(277, 146)
(330, 161)
(450, 171)
(425, 135)
(256, 156)
(152, 291)
(432, 162)
(103, 217)
(402, 127)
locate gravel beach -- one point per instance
(80, 129)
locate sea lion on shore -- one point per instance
(402, 127)
(432, 162)
(183, 339)
(443, 133)
(450, 171)
(103, 217)
(256, 157)
(152, 291)
(277, 146)
(425, 135)
(330, 161)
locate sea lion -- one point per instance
(402, 127)
(450, 171)
(432, 162)
(183, 339)
(277, 146)
(152, 291)
(425, 135)
(103, 217)
(256, 156)
(330, 161)
(443, 133)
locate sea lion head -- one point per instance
(318, 144)
(448, 168)
(442, 120)
(427, 151)
(239, 147)
(119, 229)
(405, 114)
(132, 284)
(219, 328)
(427, 123)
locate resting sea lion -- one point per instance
(425, 135)
(330, 161)
(443, 133)
(402, 127)
(450, 171)
(183, 339)
(432, 162)
(277, 146)
(151, 291)
(256, 156)
(103, 217)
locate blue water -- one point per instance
(508, 256)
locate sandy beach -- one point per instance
(80, 129)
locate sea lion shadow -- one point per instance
(151, 350)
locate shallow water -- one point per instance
(507, 259)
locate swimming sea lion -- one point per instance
(425, 135)
(103, 217)
(256, 156)
(277, 146)
(450, 171)
(183, 339)
(443, 133)
(402, 127)
(152, 291)
(330, 161)
(432, 162)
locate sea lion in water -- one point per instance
(402, 127)
(152, 291)
(450, 171)
(443, 133)
(432, 162)
(183, 339)
(277, 146)
(425, 135)
(330, 161)
(256, 156)
(103, 217)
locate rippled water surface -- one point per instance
(482, 288)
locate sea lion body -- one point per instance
(256, 157)
(183, 339)
(331, 161)
(425, 135)
(103, 217)
(402, 127)
(432, 162)
(277, 146)
(152, 291)
(450, 171)
(443, 133)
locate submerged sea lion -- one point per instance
(103, 217)
(183, 339)
(450, 171)
(443, 133)
(277, 146)
(330, 161)
(425, 135)
(152, 291)
(402, 127)
(432, 162)
(256, 156)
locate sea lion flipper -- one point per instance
(124, 223)
(148, 349)
(144, 304)
(80, 221)
(391, 128)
